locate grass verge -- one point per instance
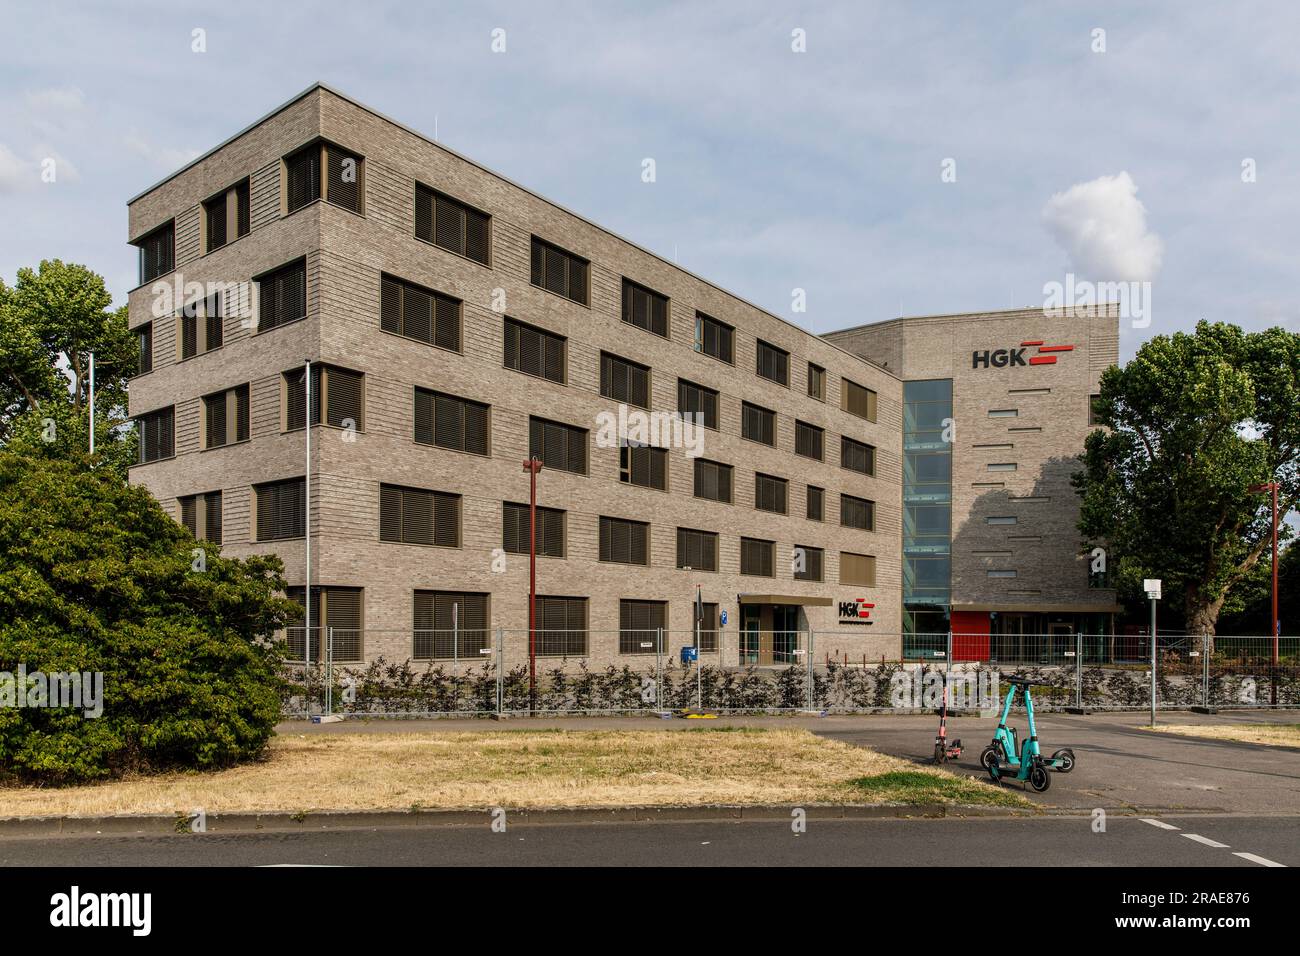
(526, 769)
(1276, 735)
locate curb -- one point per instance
(159, 824)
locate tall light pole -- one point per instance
(532, 466)
(1272, 486)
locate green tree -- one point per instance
(1191, 423)
(51, 321)
(96, 577)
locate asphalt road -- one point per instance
(1055, 841)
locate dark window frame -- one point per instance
(540, 251)
(433, 199)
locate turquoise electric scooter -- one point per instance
(1007, 757)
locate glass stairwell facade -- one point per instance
(927, 516)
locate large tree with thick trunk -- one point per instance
(1191, 423)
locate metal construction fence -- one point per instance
(486, 672)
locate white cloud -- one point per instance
(14, 173)
(1102, 225)
(65, 98)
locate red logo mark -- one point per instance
(1044, 357)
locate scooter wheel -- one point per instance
(1039, 778)
(988, 757)
(940, 754)
(1064, 759)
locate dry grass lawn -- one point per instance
(1277, 735)
(525, 769)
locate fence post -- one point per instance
(501, 668)
(1205, 668)
(329, 671)
(808, 664)
(1078, 670)
(659, 669)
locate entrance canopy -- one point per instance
(799, 599)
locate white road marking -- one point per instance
(1206, 840)
(1262, 861)
(1158, 823)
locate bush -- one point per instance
(96, 578)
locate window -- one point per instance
(640, 624)
(1001, 519)
(1001, 466)
(809, 440)
(643, 465)
(624, 380)
(451, 422)
(624, 542)
(857, 456)
(157, 434)
(715, 338)
(558, 271)
(561, 626)
(340, 391)
(712, 480)
(857, 513)
(858, 569)
(281, 509)
(557, 445)
(756, 557)
(418, 313)
(534, 351)
(450, 625)
(322, 170)
(816, 382)
(697, 550)
(419, 516)
(1003, 412)
(282, 296)
(1002, 574)
(758, 424)
(773, 363)
(645, 308)
(335, 613)
(857, 400)
(198, 327)
(452, 225)
(514, 530)
(225, 417)
(770, 493)
(816, 503)
(1094, 410)
(226, 216)
(202, 515)
(809, 563)
(697, 403)
(157, 252)
(144, 340)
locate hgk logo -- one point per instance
(1002, 358)
(858, 609)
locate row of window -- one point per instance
(423, 516)
(451, 625)
(322, 170)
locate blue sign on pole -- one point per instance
(690, 654)
(723, 619)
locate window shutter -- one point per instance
(417, 516)
(857, 513)
(282, 296)
(144, 336)
(345, 397)
(857, 400)
(816, 497)
(449, 225)
(343, 175)
(295, 399)
(857, 456)
(423, 213)
(189, 333)
(390, 305)
(424, 401)
(212, 517)
(859, 569)
(417, 313)
(447, 313)
(446, 520)
(243, 216)
(390, 513)
(773, 363)
(215, 220)
(212, 328)
(342, 617)
(477, 233)
(214, 407)
(809, 440)
(303, 173)
(241, 413)
(188, 514)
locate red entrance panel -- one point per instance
(970, 635)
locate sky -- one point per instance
(885, 158)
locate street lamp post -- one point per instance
(532, 466)
(1272, 487)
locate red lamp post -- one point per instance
(532, 466)
(1272, 487)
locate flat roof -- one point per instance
(343, 96)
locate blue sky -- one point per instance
(775, 169)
